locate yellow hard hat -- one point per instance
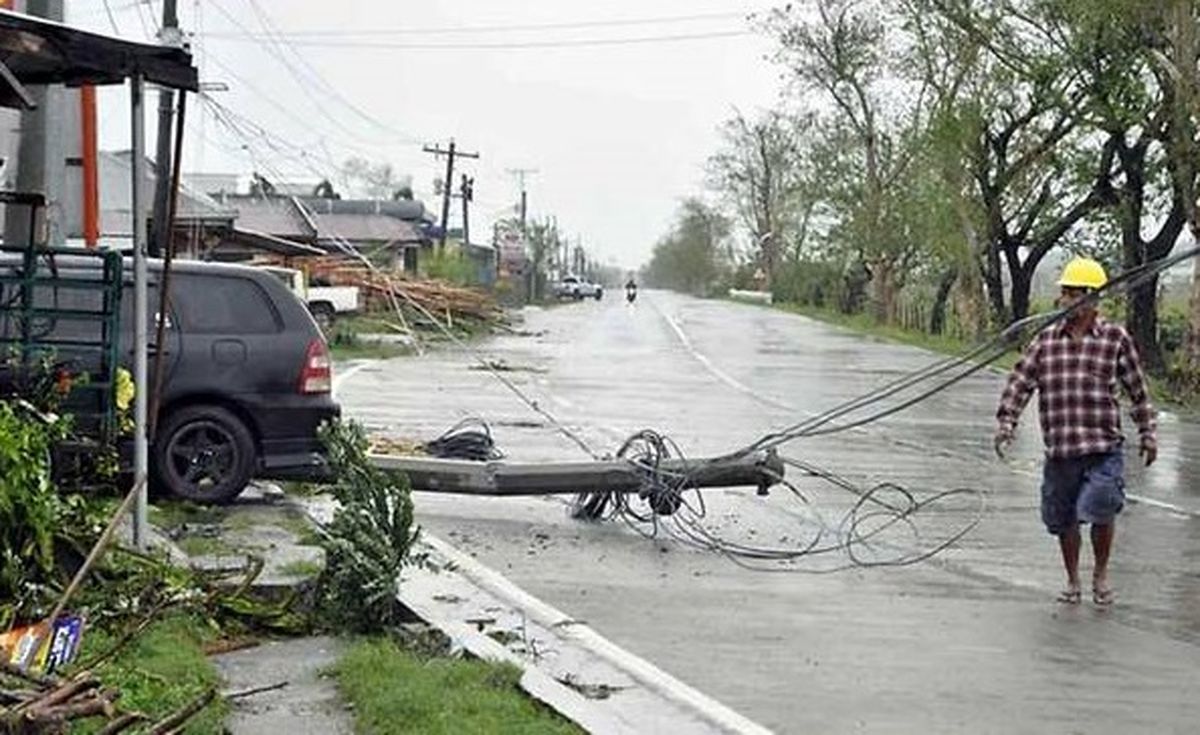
(1083, 273)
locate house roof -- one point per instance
(38, 51)
(115, 173)
(403, 209)
(270, 215)
(374, 228)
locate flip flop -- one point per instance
(1070, 596)
(1103, 597)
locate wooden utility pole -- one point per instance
(466, 192)
(160, 228)
(450, 153)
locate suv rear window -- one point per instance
(222, 305)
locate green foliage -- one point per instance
(395, 691)
(162, 670)
(813, 282)
(370, 536)
(693, 257)
(449, 265)
(30, 510)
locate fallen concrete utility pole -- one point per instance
(760, 470)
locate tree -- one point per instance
(760, 170)
(843, 55)
(1178, 60)
(689, 257)
(1038, 172)
(375, 180)
(541, 237)
(1132, 101)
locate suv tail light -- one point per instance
(317, 374)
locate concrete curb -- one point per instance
(477, 609)
(722, 718)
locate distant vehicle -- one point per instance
(248, 377)
(325, 303)
(576, 288)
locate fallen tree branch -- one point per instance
(256, 690)
(183, 714)
(122, 723)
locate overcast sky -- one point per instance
(617, 126)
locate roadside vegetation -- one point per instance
(935, 164)
(148, 624)
(397, 690)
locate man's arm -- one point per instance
(1133, 381)
(1021, 382)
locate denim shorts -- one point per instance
(1087, 489)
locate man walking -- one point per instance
(1076, 366)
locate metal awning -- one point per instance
(37, 51)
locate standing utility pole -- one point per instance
(450, 153)
(466, 191)
(160, 227)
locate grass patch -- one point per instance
(346, 343)
(160, 671)
(866, 324)
(302, 568)
(205, 546)
(394, 691)
(1161, 392)
(174, 513)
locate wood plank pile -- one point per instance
(378, 287)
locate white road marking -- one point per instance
(720, 374)
(348, 372)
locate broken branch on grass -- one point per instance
(122, 723)
(256, 690)
(183, 714)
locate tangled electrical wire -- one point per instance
(669, 504)
(464, 441)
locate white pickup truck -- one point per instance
(572, 287)
(324, 302)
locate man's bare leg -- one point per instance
(1102, 539)
(1069, 542)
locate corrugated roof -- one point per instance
(275, 216)
(374, 228)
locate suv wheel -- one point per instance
(204, 454)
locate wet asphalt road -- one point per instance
(970, 640)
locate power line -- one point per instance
(306, 83)
(112, 19)
(316, 76)
(509, 28)
(576, 43)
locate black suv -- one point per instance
(248, 376)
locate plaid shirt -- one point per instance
(1077, 387)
